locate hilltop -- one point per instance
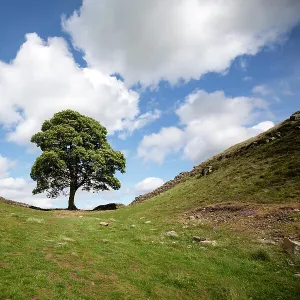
(215, 232)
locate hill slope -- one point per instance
(278, 141)
(242, 210)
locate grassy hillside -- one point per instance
(243, 209)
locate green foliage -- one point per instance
(76, 154)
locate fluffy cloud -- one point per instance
(261, 89)
(44, 79)
(5, 164)
(148, 41)
(212, 122)
(12, 183)
(18, 189)
(147, 185)
(157, 146)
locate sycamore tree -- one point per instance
(75, 155)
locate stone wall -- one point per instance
(201, 170)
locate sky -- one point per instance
(174, 82)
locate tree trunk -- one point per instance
(72, 205)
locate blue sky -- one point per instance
(175, 82)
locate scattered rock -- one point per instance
(192, 218)
(291, 247)
(105, 240)
(198, 238)
(265, 241)
(172, 234)
(68, 239)
(147, 222)
(62, 244)
(103, 223)
(208, 242)
(35, 220)
(297, 275)
(132, 225)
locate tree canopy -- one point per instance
(75, 155)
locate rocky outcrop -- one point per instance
(109, 206)
(295, 116)
(291, 247)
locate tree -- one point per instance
(75, 155)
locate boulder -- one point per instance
(109, 206)
(295, 116)
(208, 242)
(103, 224)
(198, 238)
(291, 247)
(172, 233)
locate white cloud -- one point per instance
(18, 189)
(157, 146)
(247, 78)
(261, 89)
(148, 41)
(142, 121)
(212, 122)
(5, 164)
(12, 183)
(264, 126)
(147, 185)
(44, 79)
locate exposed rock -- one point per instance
(132, 226)
(147, 222)
(172, 233)
(198, 238)
(297, 275)
(291, 247)
(68, 239)
(295, 116)
(265, 241)
(109, 206)
(103, 224)
(208, 242)
(207, 170)
(192, 218)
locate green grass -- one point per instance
(60, 255)
(75, 258)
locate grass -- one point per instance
(68, 255)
